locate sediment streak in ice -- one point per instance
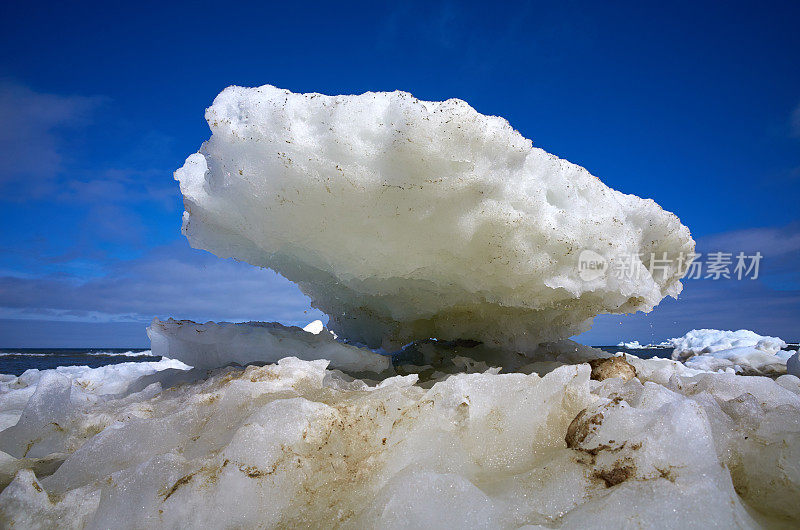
(405, 219)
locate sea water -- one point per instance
(15, 361)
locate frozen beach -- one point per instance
(445, 389)
(456, 442)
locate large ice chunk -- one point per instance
(213, 344)
(746, 360)
(702, 341)
(742, 351)
(633, 345)
(406, 219)
(88, 384)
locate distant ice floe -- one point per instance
(703, 341)
(741, 351)
(130, 353)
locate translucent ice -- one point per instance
(87, 383)
(793, 365)
(213, 344)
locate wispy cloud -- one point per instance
(173, 280)
(32, 133)
(101, 192)
(773, 242)
(769, 305)
(121, 185)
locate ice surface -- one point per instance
(633, 345)
(38, 408)
(212, 345)
(314, 327)
(743, 359)
(742, 351)
(15, 392)
(701, 341)
(793, 365)
(295, 444)
(405, 219)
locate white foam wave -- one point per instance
(129, 353)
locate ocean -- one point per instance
(642, 353)
(15, 361)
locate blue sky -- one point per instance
(696, 105)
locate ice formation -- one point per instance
(702, 341)
(212, 345)
(742, 351)
(633, 345)
(746, 360)
(34, 408)
(112, 379)
(793, 365)
(405, 219)
(294, 444)
(314, 327)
